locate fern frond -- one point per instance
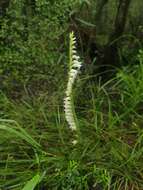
(75, 64)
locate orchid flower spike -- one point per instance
(74, 65)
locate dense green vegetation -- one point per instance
(38, 150)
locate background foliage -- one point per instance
(33, 47)
(34, 37)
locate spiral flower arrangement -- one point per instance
(74, 64)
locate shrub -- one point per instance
(31, 48)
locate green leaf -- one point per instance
(85, 23)
(20, 133)
(31, 184)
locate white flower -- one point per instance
(75, 65)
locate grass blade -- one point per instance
(20, 134)
(31, 184)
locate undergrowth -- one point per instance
(36, 143)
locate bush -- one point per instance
(33, 45)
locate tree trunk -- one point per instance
(121, 18)
(111, 57)
(100, 7)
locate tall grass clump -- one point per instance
(36, 151)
